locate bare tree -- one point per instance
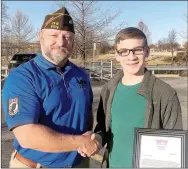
(153, 46)
(4, 19)
(21, 30)
(163, 45)
(143, 27)
(4, 12)
(159, 45)
(185, 45)
(184, 34)
(104, 47)
(5, 33)
(186, 51)
(91, 25)
(172, 35)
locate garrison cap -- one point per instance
(60, 20)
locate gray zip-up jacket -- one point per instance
(163, 109)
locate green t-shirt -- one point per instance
(128, 111)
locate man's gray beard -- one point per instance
(58, 59)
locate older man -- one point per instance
(47, 103)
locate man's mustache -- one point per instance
(62, 49)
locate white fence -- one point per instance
(4, 71)
(100, 70)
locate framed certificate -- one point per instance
(160, 148)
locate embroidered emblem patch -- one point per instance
(81, 83)
(13, 106)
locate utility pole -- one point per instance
(94, 52)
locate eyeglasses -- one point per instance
(136, 51)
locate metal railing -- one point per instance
(105, 70)
(100, 70)
(4, 71)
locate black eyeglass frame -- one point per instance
(133, 50)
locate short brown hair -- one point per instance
(130, 33)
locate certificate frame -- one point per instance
(181, 134)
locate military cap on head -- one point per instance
(60, 20)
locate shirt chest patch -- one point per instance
(13, 106)
(82, 83)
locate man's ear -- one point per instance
(40, 35)
(117, 56)
(73, 41)
(147, 52)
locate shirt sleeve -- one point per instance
(173, 114)
(21, 104)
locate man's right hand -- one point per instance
(87, 147)
(90, 149)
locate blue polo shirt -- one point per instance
(61, 99)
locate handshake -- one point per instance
(90, 144)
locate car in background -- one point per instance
(20, 58)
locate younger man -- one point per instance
(133, 98)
